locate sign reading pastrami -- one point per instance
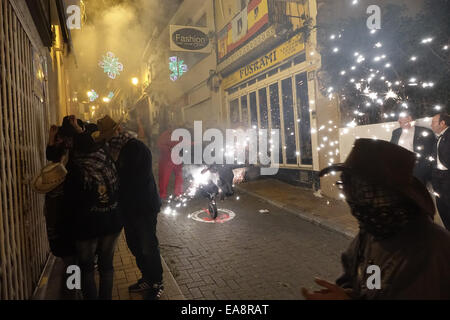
(286, 50)
(189, 39)
(261, 63)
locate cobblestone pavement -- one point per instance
(127, 273)
(253, 256)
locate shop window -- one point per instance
(253, 110)
(299, 59)
(234, 111)
(275, 112)
(244, 110)
(251, 82)
(285, 66)
(263, 112)
(301, 84)
(273, 72)
(261, 78)
(289, 121)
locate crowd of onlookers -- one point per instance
(100, 181)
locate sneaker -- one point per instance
(140, 286)
(155, 292)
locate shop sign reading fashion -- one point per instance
(277, 55)
(191, 39)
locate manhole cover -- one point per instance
(203, 215)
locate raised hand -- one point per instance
(52, 135)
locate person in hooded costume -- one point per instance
(396, 230)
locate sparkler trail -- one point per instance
(202, 178)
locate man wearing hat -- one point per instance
(396, 232)
(139, 203)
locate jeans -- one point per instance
(140, 233)
(86, 251)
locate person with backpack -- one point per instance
(91, 194)
(139, 203)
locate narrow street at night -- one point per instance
(256, 255)
(224, 159)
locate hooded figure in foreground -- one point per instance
(396, 236)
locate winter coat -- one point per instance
(424, 142)
(414, 264)
(444, 150)
(138, 194)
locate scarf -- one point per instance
(380, 211)
(117, 143)
(100, 177)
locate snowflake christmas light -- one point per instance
(92, 95)
(177, 67)
(111, 65)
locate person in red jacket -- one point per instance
(166, 165)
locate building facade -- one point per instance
(268, 59)
(192, 95)
(33, 49)
(260, 73)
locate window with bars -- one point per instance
(283, 105)
(24, 121)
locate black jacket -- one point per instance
(80, 200)
(54, 153)
(138, 194)
(424, 144)
(444, 150)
